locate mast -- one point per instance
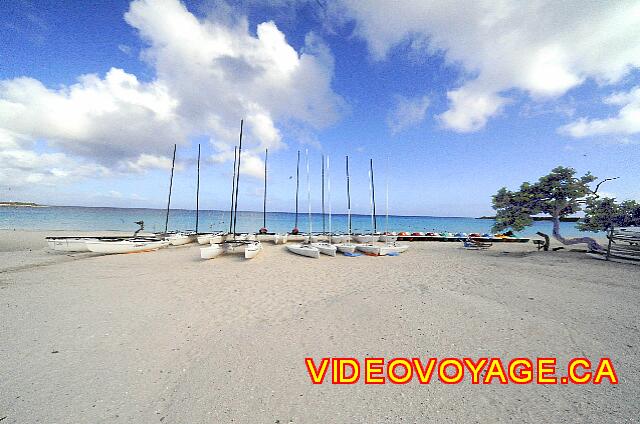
(235, 212)
(198, 191)
(233, 187)
(173, 164)
(309, 193)
(348, 201)
(295, 226)
(323, 228)
(373, 199)
(386, 222)
(264, 201)
(329, 194)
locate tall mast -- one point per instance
(323, 228)
(329, 194)
(309, 193)
(233, 187)
(386, 223)
(373, 199)
(235, 208)
(264, 201)
(198, 191)
(295, 226)
(173, 164)
(348, 201)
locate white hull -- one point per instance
(180, 239)
(211, 252)
(265, 237)
(280, 239)
(209, 238)
(346, 247)
(124, 246)
(339, 238)
(304, 250)
(251, 250)
(295, 237)
(365, 238)
(325, 248)
(382, 250)
(68, 244)
(386, 238)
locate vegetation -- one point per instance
(558, 194)
(602, 214)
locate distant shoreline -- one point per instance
(542, 218)
(22, 205)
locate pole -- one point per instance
(329, 194)
(348, 202)
(309, 193)
(264, 201)
(323, 228)
(386, 222)
(173, 164)
(233, 187)
(198, 191)
(295, 226)
(235, 212)
(373, 198)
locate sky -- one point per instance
(451, 100)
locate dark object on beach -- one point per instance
(141, 224)
(540, 244)
(555, 249)
(476, 244)
(55, 351)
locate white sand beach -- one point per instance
(167, 337)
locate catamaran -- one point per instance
(346, 246)
(263, 233)
(306, 248)
(324, 247)
(389, 248)
(234, 242)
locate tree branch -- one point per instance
(595, 192)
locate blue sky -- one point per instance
(451, 106)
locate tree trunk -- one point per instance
(593, 245)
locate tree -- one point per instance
(558, 194)
(602, 214)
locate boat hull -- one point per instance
(211, 252)
(304, 250)
(325, 248)
(346, 247)
(124, 246)
(68, 245)
(251, 250)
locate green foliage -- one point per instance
(557, 194)
(603, 213)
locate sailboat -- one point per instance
(324, 247)
(263, 233)
(234, 243)
(346, 246)
(390, 247)
(304, 249)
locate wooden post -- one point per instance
(609, 244)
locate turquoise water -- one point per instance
(96, 219)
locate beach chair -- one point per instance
(624, 243)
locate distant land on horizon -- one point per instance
(23, 204)
(542, 218)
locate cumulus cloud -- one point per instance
(542, 48)
(209, 74)
(625, 123)
(407, 112)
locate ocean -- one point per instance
(122, 219)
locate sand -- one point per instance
(167, 337)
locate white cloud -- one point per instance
(407, 113)
(542, 48)
(626, 122)
(209, 74)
